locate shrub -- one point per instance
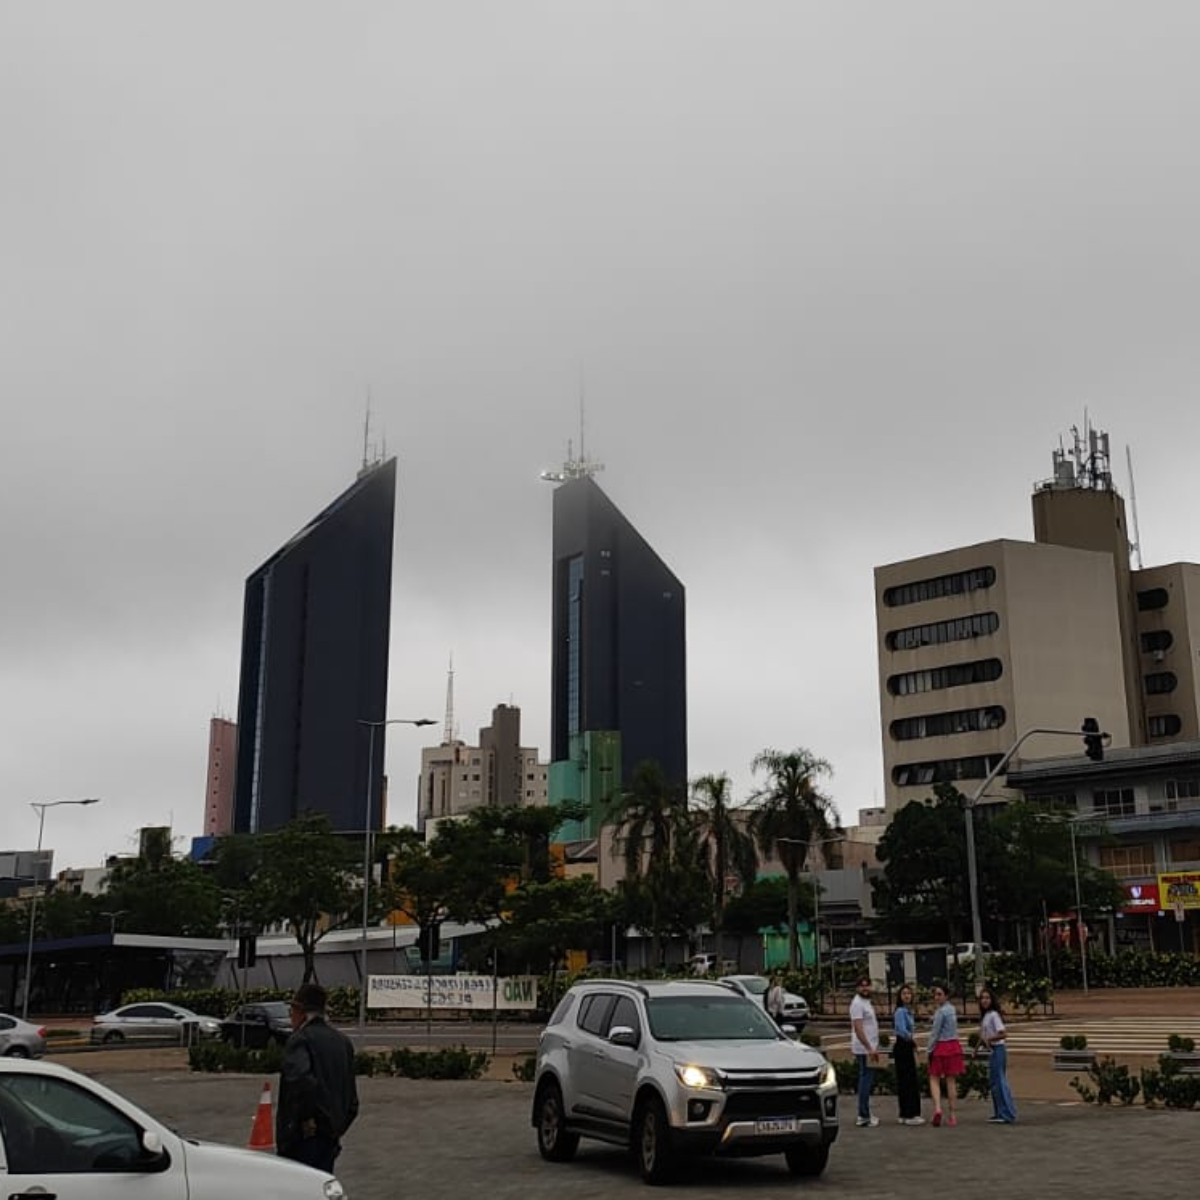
(1073, 1041)
(224, 1057)
(811, 1039)
(452, 1062)
(1113, 1082)
(525, 1068)
(1180, 1045)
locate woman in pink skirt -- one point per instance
(945, 1056)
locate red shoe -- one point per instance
(937, 1117)
(952, 1121)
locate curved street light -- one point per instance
(41, 806)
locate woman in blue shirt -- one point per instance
(945, 1056)
(904, 1058)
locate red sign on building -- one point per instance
(1141, 897)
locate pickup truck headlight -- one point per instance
(697, 1077)
(334, 1190)
(828, 1076)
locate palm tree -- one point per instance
(649, 819)
(726, 843)
(791, 815)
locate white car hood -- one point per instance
(216, 1172)
(774, 1055)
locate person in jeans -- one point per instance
(993, 1034)
(945, 1056)
(318, 1097)
(864, 1044)
(904, 1058)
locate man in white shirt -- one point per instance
(775, 1002)
(864, 1043)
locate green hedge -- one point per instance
(973, 1080)
(453, 1062)
(224, 1057)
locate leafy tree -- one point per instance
(726, 844)
(548, 919)
(651, 818)
(163, 895)
(423, 878)
(14, 924)
(66, 914)
(791, 815)
(302, 873)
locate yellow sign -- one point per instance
(1179, 888)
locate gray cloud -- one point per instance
(838, 277)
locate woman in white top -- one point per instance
(993, 1035)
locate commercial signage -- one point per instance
(1141, 897)
(1180, 887)
(452, 992)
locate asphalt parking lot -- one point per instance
(452, 1139)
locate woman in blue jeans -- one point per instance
(993, 1034)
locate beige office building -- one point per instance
(498, 772)
(979, 644)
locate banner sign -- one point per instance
(1180, 887)
(1141, 897)
(452, 992)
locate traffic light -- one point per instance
(1093, 739)
(429, 942)
(247, 951)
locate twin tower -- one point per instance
(315, 642)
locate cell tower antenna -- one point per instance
(367, 465)
(1135, 546)
(575, 468)
(448, 728)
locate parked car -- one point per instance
(153, 1020)
(706, 964)
(258, 1024)
(67, 1135)
(966, 952)
(795, 1008)
(679, 1068)
(20, 1039)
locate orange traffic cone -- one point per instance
(262, 1133)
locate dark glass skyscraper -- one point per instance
(315, 661)
(619, 656)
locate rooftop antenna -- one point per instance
(575, 468)
(366, 464)
(448, 728)
(1135, 547)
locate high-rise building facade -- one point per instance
(222, 774)
(981, 643)
(498, 772)
(618, 662)
(315, 665)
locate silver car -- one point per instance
(795, 1008)
(20, 1039)
(679, 1068)
(155, 1020)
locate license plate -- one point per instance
(775, 1125)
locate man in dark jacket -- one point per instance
(318, 1099)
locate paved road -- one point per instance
(453, 1139)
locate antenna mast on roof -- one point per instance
(448, 728)
(1135, 547)
(367, 465)
(575, 468)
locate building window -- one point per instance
(1157, 639)
(1051, 800)
(945, 770)
(958, 630)
(911, 683)
(1184, 852)
(1128, 860)
(1160, 683)
(1152, 599)
(965, 720)
(1183, 789)
(574, 643)
(1114, 802)
(941, 585)
(1168, 725)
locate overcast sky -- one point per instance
(838, 276)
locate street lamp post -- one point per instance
(41, 806)
(112, 919)
(972, 868)
(372, 726)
